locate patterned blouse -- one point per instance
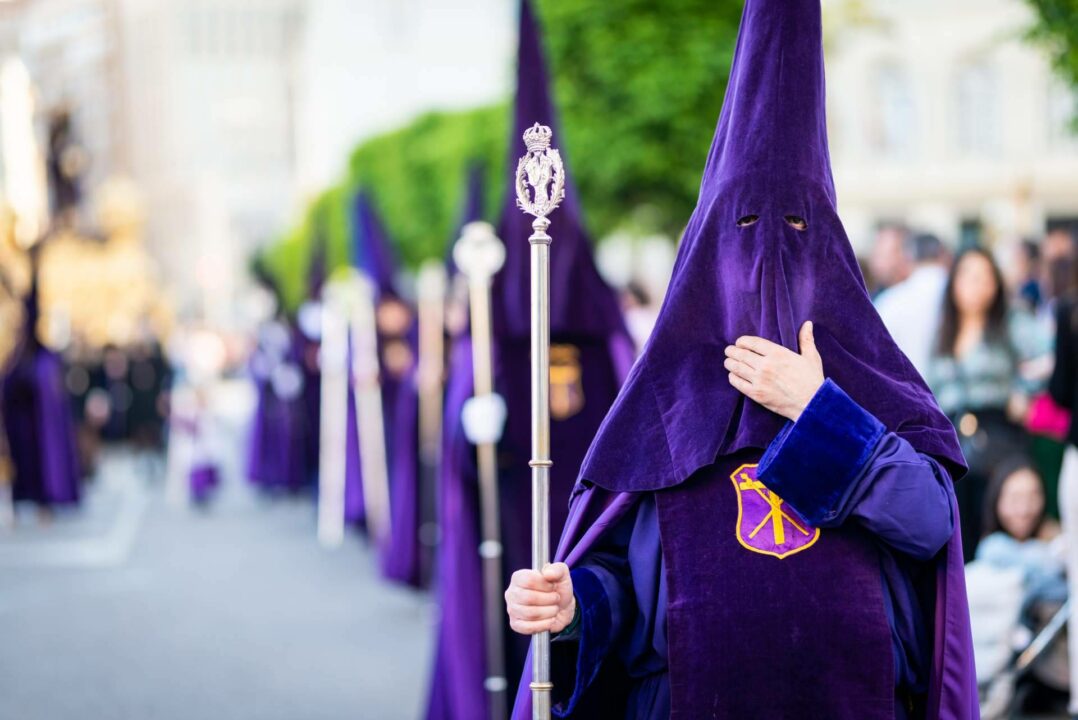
(986, 376)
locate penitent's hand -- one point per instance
(779, 379)
(538, 601)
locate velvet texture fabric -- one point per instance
(37, 418)
(804, 636)
(312, 375)
(277, 445)
(587, 324)
(902, 499)
(952, 693)
(744, 269)
(769, 159)
(456, 690)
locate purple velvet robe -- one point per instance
(277, 442)
(37, 417)
(904, 500)
(401, 561)
(586, 319)
(764, 252)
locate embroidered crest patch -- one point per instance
(766, 524)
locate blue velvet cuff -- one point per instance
(814, 463)
(593, 634)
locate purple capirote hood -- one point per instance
(743, 269)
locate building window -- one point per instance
(1062, 117)
(977, 111)
(893, 128)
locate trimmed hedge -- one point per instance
(639, 85)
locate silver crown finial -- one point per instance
(537, 138)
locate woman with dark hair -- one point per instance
(1015, 585)
(1014, 507)
(974, 375)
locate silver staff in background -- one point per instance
(333, 363)
(540, 186)
(348, 315)
(370, 419)
(431, 292)
(480, 254)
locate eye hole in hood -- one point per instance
(796, 222)
(747, 220)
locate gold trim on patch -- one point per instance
(777, 516)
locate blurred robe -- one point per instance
(38, 419)
(395, 321)
(276, 450)
(308, 320)
(590, 354)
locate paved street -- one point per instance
(138, 609)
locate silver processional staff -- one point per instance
(540, 186)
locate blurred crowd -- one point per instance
(993, 332)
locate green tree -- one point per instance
(639, 86)
(1056, 29)
(416, 175)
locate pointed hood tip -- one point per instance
(372, 252)
(776, 95)
(582, 304)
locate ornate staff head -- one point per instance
(479, 253)
(540, 177)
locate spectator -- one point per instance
(973, 374)
(888, 263)
(911, 309)
(1018, 534)
(1024, 274)
(1015, 582)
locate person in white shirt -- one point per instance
(911, 309)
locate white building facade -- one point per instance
(941, 115)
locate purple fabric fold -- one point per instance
(952, 681)
(401, 553)
(37, 417)
(456, 688)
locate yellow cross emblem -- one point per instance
(759, 508)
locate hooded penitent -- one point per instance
(277, 446)
(763, 252)
(373, 255)
(308, 321)
(590, 353)
(37, 418)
